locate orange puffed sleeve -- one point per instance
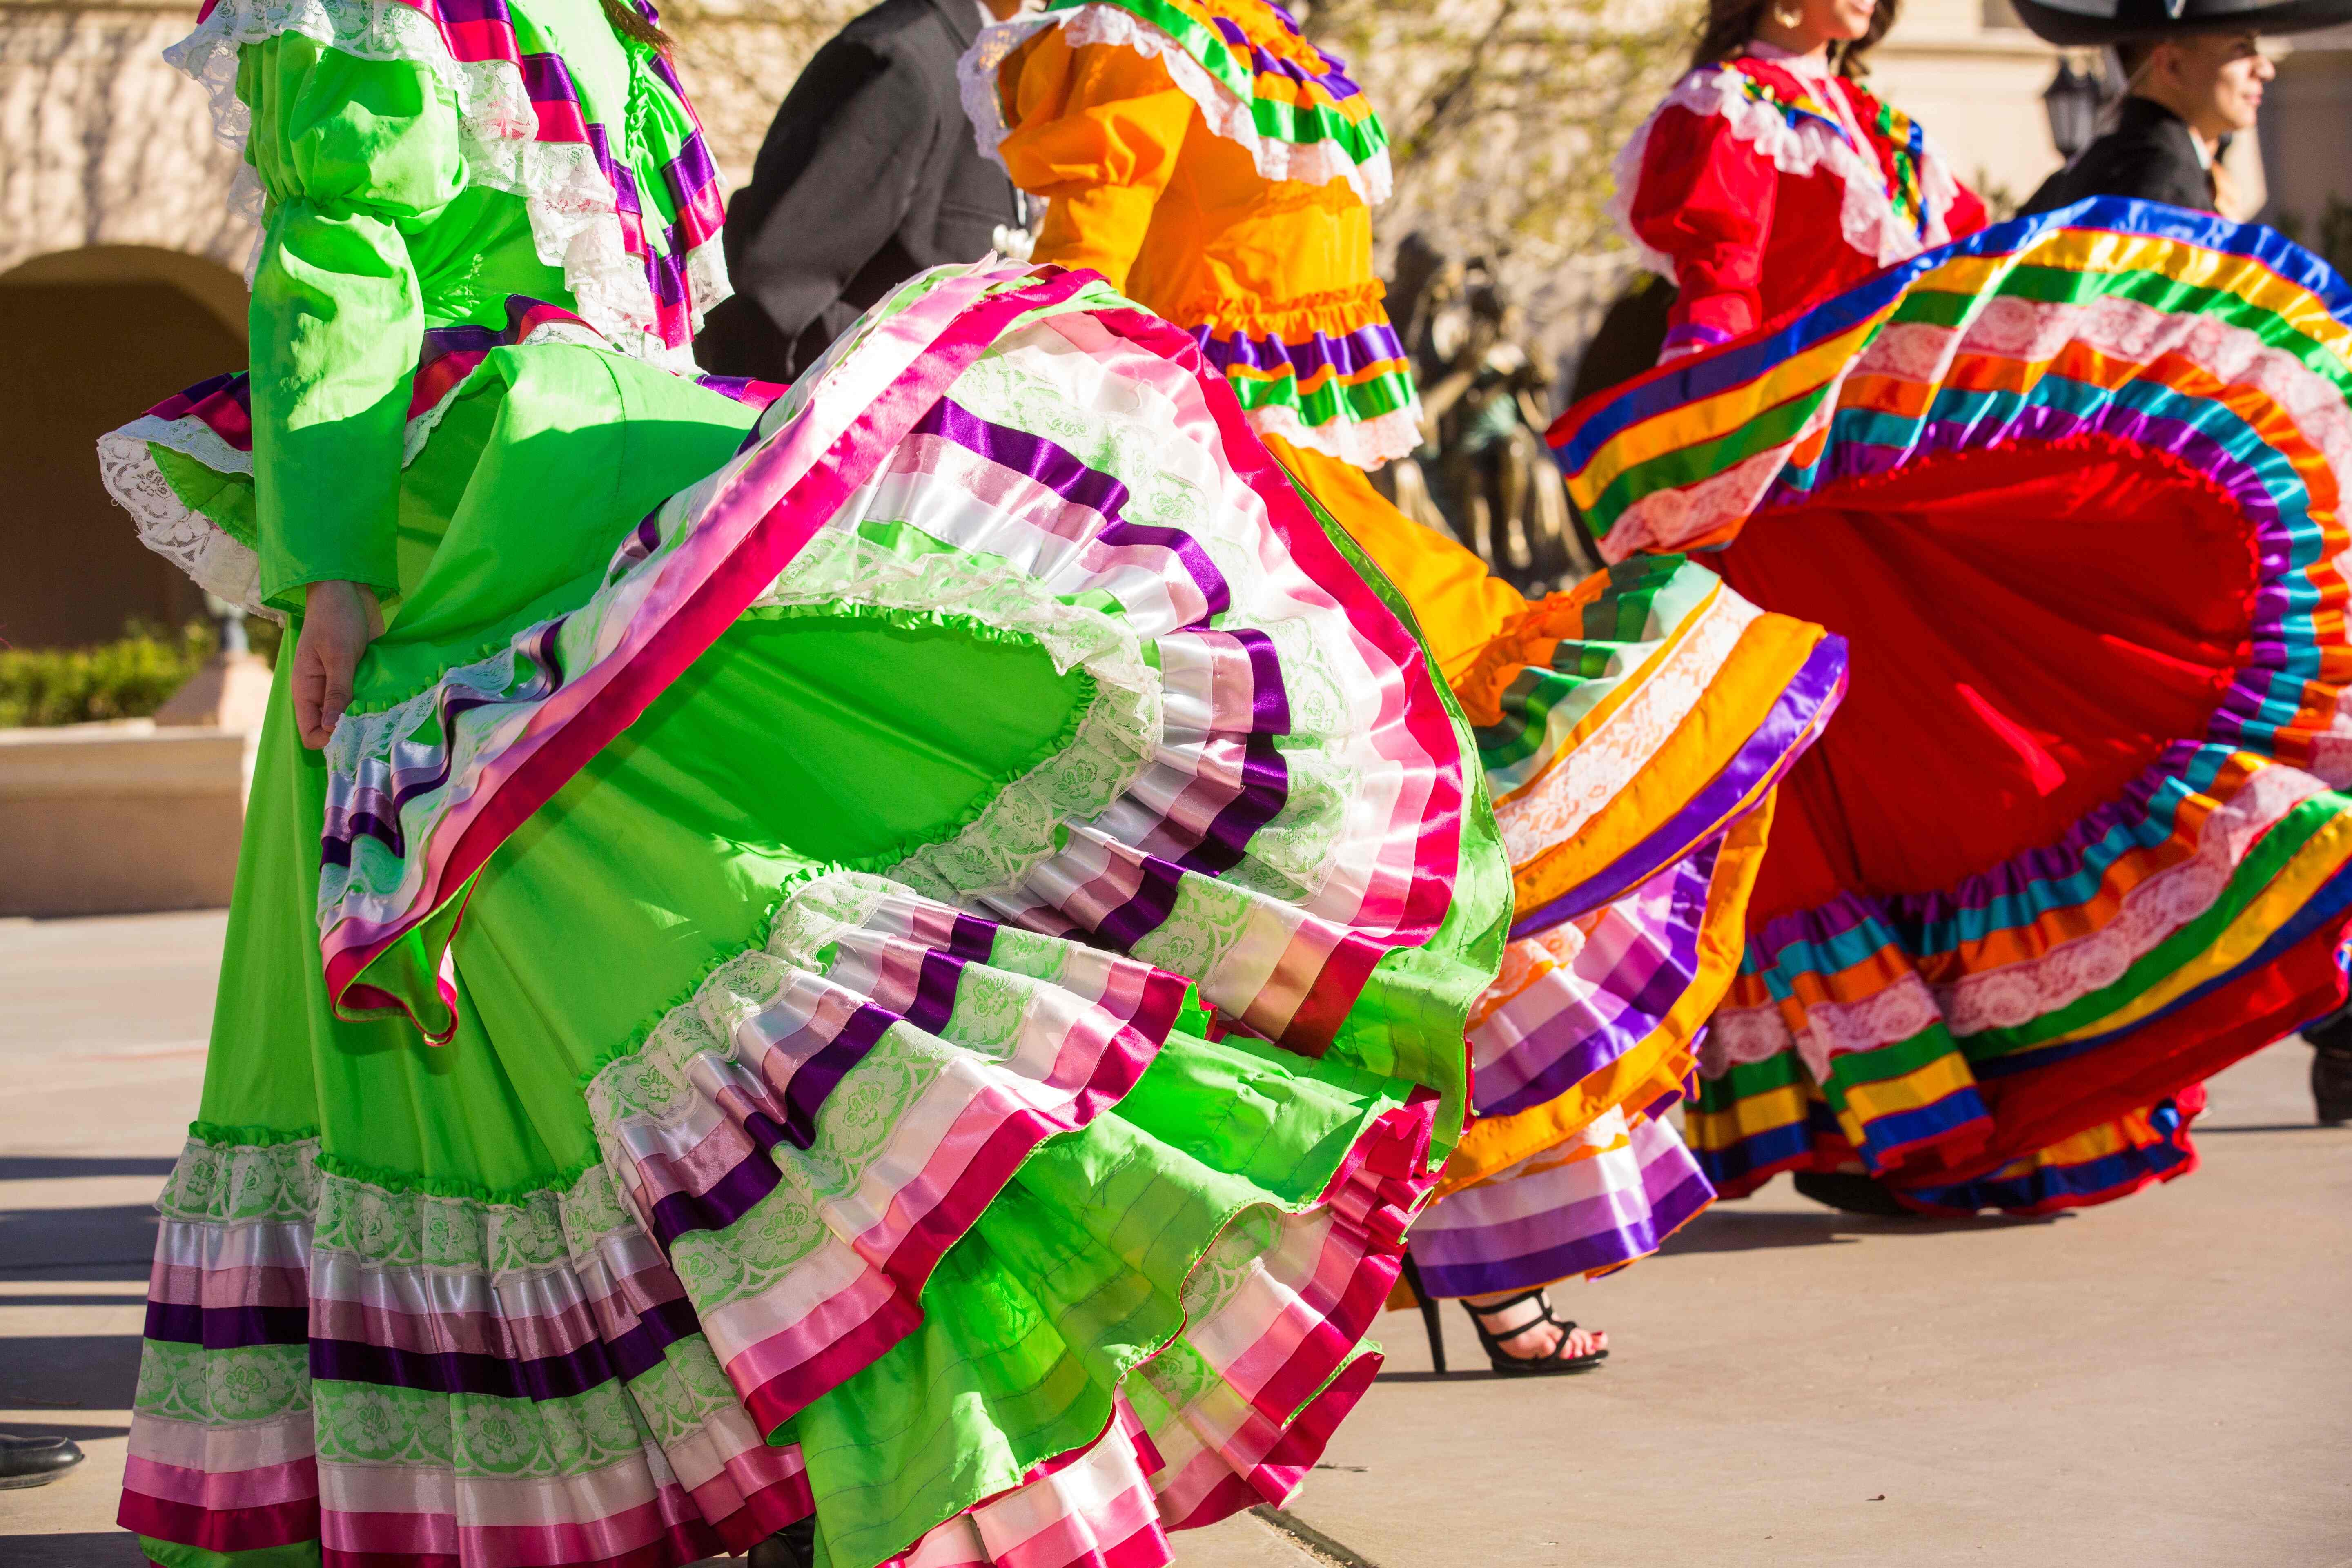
(1096, 130)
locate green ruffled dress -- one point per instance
(897, 948)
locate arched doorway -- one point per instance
(97, 336)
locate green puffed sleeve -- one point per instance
(354, 155)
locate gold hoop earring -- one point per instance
(1787, 18)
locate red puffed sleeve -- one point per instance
(1966, 214)
(1704, 199)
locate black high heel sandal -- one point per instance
(1559, 1363)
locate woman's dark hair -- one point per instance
(1730, 24)
(632, 22)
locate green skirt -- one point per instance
(904, 954)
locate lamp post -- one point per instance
(229, 625)
(2072, 100)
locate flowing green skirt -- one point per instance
(906, 959)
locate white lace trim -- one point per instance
(574, 215)
(1867, 217)
(1117, 739)
(1366, 443)
(213, 560)
(2025, 330)
(1739, 1036)
(2016, 993)
(1226, 112)
(1747, 1034)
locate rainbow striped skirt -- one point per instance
(2070, 488)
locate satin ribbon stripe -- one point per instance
(1592, 1028)
(1586, 1216)
(2113, 249)
(1694, 746)
(2295, 882)
(1537, 696)
(1413, 720)
(2099, 1165)
(1745, 782)
(1325, 378)
(321, 1441)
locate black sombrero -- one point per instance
(2088, 23)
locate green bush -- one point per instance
(128, 678)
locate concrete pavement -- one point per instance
(2166, 1382)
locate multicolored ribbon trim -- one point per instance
(1295, 92)
(1352, 377)
(666, 195)
(1905, 144)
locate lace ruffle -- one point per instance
(1226, 112)
(574, 214)
(1868, 221)
(297, 1307)
(2011, 995)
(2015, 993)
(1265, 766)
(214, 558)
(1366, 443)
(1116, 739)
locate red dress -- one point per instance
(2071, 844)
(1766, 183)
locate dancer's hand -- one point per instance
(338, 620)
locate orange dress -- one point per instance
(1154, 142)
(1219, 170)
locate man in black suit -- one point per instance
(2194, 71)
(868, 175)
(2186, 95)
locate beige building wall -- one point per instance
(2306, 129)
(119, 285)
(1977, 87)
(102, 143)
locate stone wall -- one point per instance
(102, 143)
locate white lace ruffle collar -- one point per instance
(1866, 218)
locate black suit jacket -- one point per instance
(869, 175)
(2149, 154)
